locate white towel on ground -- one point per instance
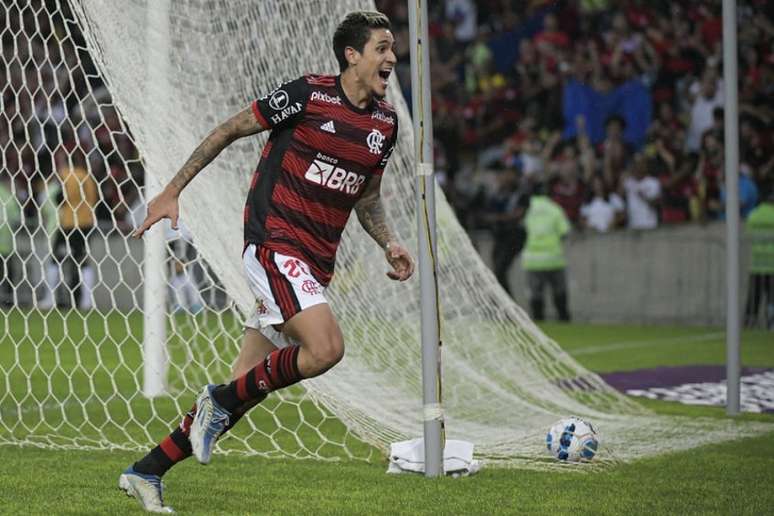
(409, 457)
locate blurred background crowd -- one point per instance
(57, 114)
(614, 108)
(618, 106)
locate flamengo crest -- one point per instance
(375, 140)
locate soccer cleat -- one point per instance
(208, 424)
(146, 489)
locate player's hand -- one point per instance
(400, 259)
(163, 206)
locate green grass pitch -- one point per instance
(728, 478)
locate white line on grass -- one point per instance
(615, 346)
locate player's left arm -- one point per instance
(370, 213)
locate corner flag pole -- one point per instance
(733, 332)
(428, 267)
(155, 358)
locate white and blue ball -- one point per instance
(572, 440)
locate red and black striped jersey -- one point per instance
(322, 153)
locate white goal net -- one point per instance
(127, 105)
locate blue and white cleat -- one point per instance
(208, 424)
(146, 489)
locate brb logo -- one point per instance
(375, 140)
(333, 177)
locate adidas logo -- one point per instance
(328, 126)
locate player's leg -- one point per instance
(320, 340)
(143, 479)
(289, 296)
(768, 286)
(558, 280)
(754, 294)
(503, 254)
(6, 291)
(295, 298)
(51, 272)
(536, 284)
(318, 346)
(87, 276)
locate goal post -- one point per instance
(731, 164)
(427, 242)
(155, 357)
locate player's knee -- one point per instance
(328, 350)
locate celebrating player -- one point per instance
(331, 138)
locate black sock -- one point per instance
(176, 447)
(278, 370)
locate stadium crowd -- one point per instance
(618, 106)
(57, 115)
(614, 108)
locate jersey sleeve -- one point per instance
(379, 170)
(283, 106)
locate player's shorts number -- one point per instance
(294, 267)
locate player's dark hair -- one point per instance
(354, 31)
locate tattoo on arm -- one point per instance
(370, 213)
(239, 125)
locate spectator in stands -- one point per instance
(551, 39)
(543, 257)
(642, 193)
(748, 193)
(675, 173)
(753, 149)
(615, 151)
(705, 100)
(567, 185)
(526, 150)
(464, 14)
(10, 217)
(760, 228)
(604, 210)
(709, 172)
(665, 125)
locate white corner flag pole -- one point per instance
(155, 358)
(427, 242)
(731, 113)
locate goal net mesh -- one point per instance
(73, 378)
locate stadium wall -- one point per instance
(671, 275)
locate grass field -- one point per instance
(728, 478)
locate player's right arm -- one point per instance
(165, 205)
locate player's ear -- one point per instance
(352, 55)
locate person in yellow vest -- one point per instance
(74, 198)
(760, 228)
(543, 256)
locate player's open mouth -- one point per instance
(385, 74)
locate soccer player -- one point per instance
(331, 137)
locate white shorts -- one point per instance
(282, 286)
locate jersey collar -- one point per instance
(369, 108)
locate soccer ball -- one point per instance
(572, 440)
